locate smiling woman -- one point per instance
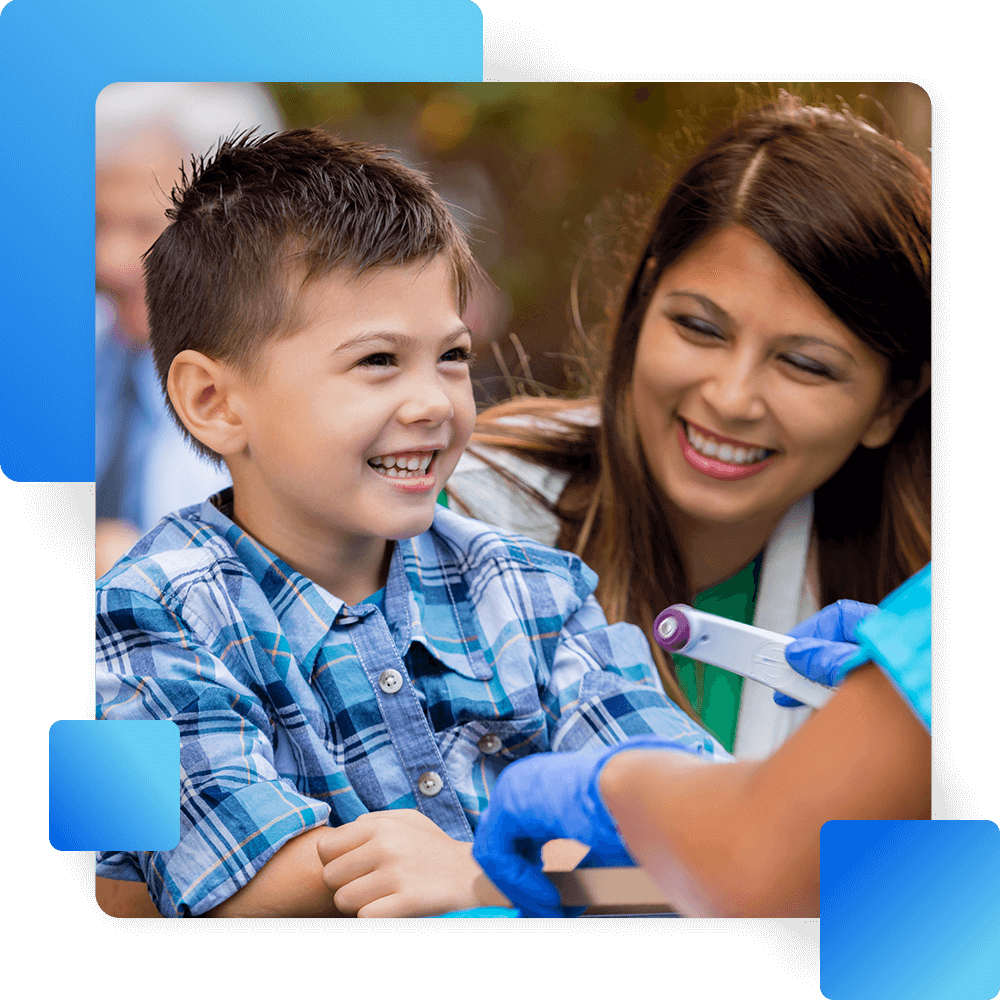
(748, 392)
(759, 441)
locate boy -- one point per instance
(350, 664)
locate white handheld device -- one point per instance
(746, 650)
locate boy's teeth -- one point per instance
(724, 452)
(401, 465)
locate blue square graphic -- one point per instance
(55, 58)
(114, 785)
(910, 909)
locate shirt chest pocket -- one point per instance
(475, 753)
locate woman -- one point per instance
(759, 442)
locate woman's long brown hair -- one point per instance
(848, 210)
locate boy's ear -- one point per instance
(202, 393)
(890, 415)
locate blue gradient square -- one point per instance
(55, 58)
(114, 785)
(910, 910)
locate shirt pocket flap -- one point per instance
(476, 752)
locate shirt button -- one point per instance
(430, 783)
(390, 681)
(489, 743)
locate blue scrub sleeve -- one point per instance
(898, 638)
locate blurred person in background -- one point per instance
(144, 468)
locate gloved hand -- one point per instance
(546, 797)
(825, 650)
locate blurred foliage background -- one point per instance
(554, 183)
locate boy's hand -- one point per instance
(398, 863)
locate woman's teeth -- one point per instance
(735, 455)
(408, 466)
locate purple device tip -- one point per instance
(671, 629)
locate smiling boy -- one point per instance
(350, 664)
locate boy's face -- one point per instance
(355, 422)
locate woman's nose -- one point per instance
(734, 388)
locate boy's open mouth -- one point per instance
(405, 465)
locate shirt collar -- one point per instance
(305, 612)
(426, 601)
(425, 594)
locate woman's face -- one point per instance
(748, 392)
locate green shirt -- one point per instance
(714, 693)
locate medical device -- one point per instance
(742, 649)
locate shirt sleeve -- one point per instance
(235, 809)
(898, 638)
(603, 688)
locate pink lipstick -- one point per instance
(715, 467)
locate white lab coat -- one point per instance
(787, 592)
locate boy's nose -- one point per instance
(428, 402)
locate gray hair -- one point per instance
(195, 115)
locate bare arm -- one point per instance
(124, 899)
(743, 839)
(289, 885)
(395, 863)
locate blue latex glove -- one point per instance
(545, 797)
(825, 649)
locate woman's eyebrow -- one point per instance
(390, 338)
(718, 313)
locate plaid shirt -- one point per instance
(297, 711)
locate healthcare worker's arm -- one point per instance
(743, 839)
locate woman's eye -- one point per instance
(810, 366)
(698, 326)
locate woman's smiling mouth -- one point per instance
(726, 449)
(718, 457)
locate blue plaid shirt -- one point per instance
(290, 717)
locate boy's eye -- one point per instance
(460, 354)
(383, 360)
